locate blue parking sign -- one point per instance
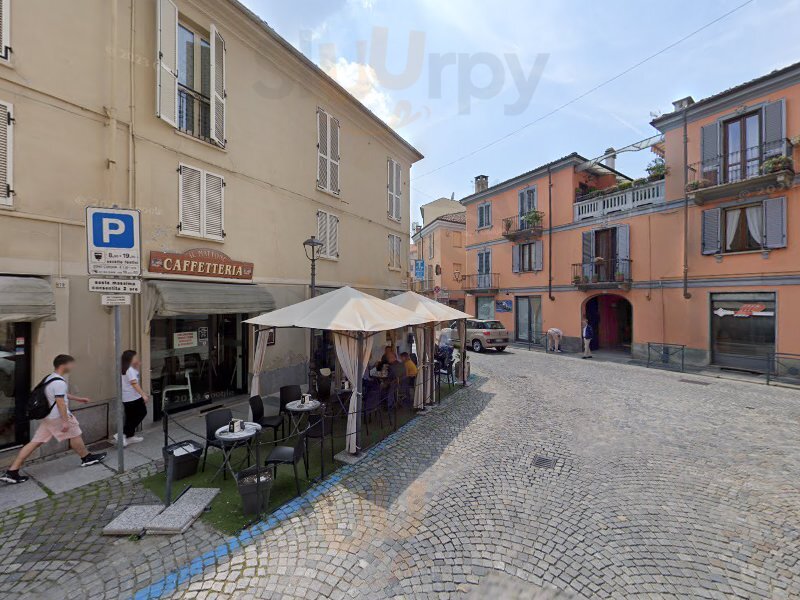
(112, 241)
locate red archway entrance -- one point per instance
(611, 318)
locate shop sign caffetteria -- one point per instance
(200, 262)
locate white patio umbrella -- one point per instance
(353, 317)
(437, 313)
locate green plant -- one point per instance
(625, 185)
(533, 218)
(777, 163)
(657, 169)
(620, 276)
(639, 181)
(576, 280)
(697, 184)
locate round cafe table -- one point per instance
(230, 440)
(297, 409)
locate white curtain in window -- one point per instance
(755, 222)
(347, 353)
(731, 224)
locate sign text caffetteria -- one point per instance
(200, 262)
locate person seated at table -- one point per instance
(388, 357)
(411, 368)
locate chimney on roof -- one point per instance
(610, 159)
(683, 103)
(481, 183)
(416, 227)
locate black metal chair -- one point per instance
(445, 367)
(214, 420)
(288, 455)
(372, 404)
(318, 428)
(323, 388)
(272, 422)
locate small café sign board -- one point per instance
(200, 262)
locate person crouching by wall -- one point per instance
(133, 398)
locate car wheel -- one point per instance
(477, 346)
(500, 348)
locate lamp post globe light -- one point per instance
(312, 247)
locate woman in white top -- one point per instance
(133, 397)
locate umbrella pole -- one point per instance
(462, 335)
(359, 389)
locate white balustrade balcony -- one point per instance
(633, 197)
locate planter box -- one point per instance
(249, 492)
(185, 457)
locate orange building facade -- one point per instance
(441, 246)
(703, 252)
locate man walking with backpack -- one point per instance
(56, 421)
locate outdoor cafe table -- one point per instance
(297, 409)
(230, 440)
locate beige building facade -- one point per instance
(233, 147)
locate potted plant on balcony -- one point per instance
(507, 225)
(697, 184)
(532, 219)
(657, 169)
(584, 279)
(624, 185)
(576, 280)
(619, 276)
(776, 164)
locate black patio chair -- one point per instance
(214, 420)
(445, 367)
(319, 427)
(271, 422)
(323, 391)
(372, 404)
(287, 455)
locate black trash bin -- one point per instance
(247, 484)
(185, 457)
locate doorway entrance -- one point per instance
(529, 319)
(15, 382)
(611, 318)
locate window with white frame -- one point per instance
(328, 153)
(191, 94)
(484, 216)
(201, 203)
(328, 234)
(394, 185)
(394, 252)
(6, 154)
(5, 29)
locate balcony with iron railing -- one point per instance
(480, 282)
(759, 168)
(194, 113)
(622, 197)
(527, 226)
(602, 273)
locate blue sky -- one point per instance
(573, 46)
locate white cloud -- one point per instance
(362, 82)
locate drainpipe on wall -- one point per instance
(550, 236)
(686, 294)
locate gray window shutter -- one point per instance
(335, 184)
(322, 231)
(538, 255)
(6, 150)
(333, 236)
(167, 78)
(5, 28)
(588, 252)
(712, 238)
(774, 122)
(775, 223)
(322, 149)
(214, 219)
(522, 203)
(190, 205)
(710, 152)
(533, 204)
(515, 258)
(623, 242)
(218, 91)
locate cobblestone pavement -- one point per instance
(658, 488)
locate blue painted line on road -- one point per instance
(170, 582)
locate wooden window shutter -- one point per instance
(5, 29)
(218, 91)
(775, 223)
(6, 154)
(322, 231)
(167, 54)
(190, 193)
(538, 255)
(333, 156)
(214, 207)
(710, 153)
(711, 236)
(774, 124)
(516, 252)
(322, 149)
(333, 236)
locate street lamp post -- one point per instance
(312, 247)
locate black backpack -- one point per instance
(38, 406)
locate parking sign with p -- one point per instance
(112, 241)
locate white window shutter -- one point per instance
(333, 181)
(391, 251)
(214, 213)
(218, 91)
(333, 236)
(398, 191)
(190, 193)
(322, 149)
(390, 187)
(322, 231)
(5, 29)
(6, 154)
(167, 53)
